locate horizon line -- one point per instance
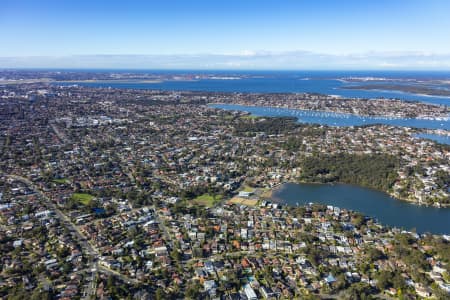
(223, 69)
(248, 60)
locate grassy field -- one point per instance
(83, 198)
(207, 200)
(267, 193)
(60, 180)
(250, 117)
(248, 189)
(244, 201)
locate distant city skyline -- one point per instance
(249, 34)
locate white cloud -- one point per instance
(389, 65)
(247, 59)
(247, 53)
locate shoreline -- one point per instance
(397, 91)
(390, 194)
(375, 116)
(129, 81)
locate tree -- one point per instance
(160, 294)
(373, 254)
(38, 294)
(193, 290)
(175, 255)
(341, 282)
(358, 291)
(398, 282)
(197, 252)
(384, 280)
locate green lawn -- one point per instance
(60, 180)
(248, 189)
(207, 200)
(83, 198)
(250, 117)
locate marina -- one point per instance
(335, 119)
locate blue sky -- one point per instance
(217, 34)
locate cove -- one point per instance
(334, 119)
(442, 139)
(387, 210)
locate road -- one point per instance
(61, 135)
(88, 249)
(163, 228)
(110, 272)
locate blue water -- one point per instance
(334, 119)
(442, 139)
(323, 82)
(388, 211)
(376, 204)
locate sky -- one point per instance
(232, 34)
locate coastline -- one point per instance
(405, 92)
(108, 81)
